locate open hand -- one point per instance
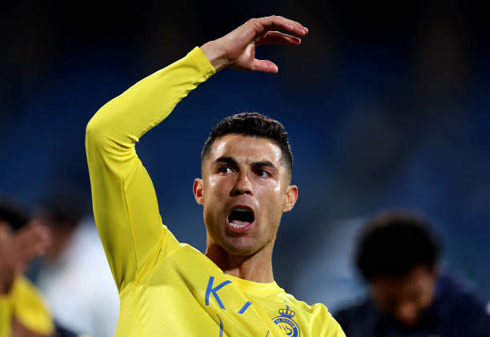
(237, 49)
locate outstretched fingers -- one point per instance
(275, 30)
(278, 23)
(237, 48)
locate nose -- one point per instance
(242, 185)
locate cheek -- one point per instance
(214, 185)
(273, 199)
(427, 295)
(278, 187)
(270, 191)
(272, 186)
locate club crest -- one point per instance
(286, 323)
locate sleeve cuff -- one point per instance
(202, 61)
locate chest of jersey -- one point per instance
(185, 294)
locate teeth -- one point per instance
(234, 225)
(240, 221)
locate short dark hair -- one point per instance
(393, 243)
(255, 125)
(13, 213)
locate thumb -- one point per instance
(265, 66)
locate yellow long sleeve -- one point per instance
(123, 196)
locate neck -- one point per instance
(256, 267)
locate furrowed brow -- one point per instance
(224, 159)
(265, 163)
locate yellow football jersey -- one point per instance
(27, 306)
(168, 288)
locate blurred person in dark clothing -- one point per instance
(409, 295)
(22, 308)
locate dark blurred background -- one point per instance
(386, 104)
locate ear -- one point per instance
(198, 191)
(291, 197)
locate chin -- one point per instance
(235, 247)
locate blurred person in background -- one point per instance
(168, 287)
(73, 275)
(409, 294)
(23, 311)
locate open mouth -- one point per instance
(241, 217)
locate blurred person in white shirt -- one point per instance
(74, 276)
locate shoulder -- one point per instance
(319, 308)
(29, 307)
(356, 314)
(454, 291)
(317, 317)
(25, 296)
(457, 301)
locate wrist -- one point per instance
(215, 54)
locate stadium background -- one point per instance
(386, 104)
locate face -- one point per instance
(406, 298)
(244, 192)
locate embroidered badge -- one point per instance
(285, 322)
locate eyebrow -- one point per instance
(224, 159)
(264, 163)
(231, 160)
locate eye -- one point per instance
(225, 169)
(262, 173)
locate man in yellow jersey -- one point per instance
(171, 289)
(23, 311)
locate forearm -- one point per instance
(124, 119)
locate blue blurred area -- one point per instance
(384, 108)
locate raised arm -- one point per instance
(124, 200)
